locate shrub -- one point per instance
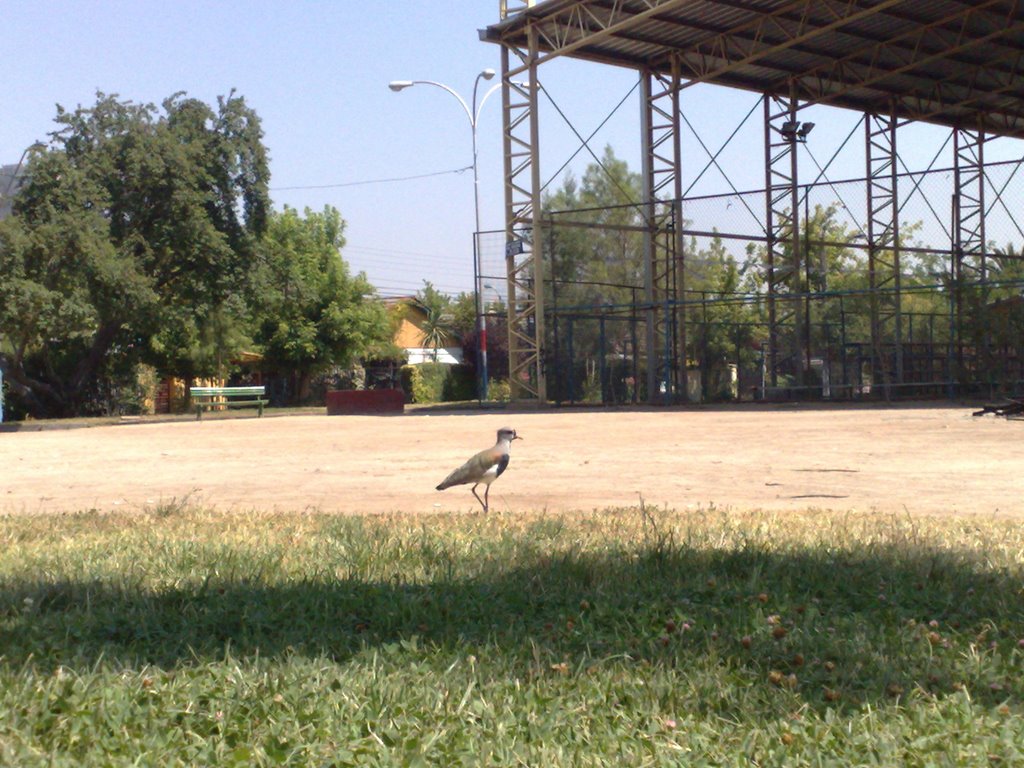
(460, 383)
(437, 382)
(424, 383)
(499, 390)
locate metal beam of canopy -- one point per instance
(950, 62)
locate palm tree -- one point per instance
(438, 325)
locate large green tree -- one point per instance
(311, 313)
(130, 241)
(595, 269)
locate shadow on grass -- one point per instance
(852, 626)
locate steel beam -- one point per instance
(771, 33)
(884, 60)
(783, 264)
(581, 24)
(884, 248)
(970, 266)
(969, 205)
(664, 276)
(507, 8)
(523, 237)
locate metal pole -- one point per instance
(473, 113)
(481, 347)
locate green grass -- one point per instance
(623, 637)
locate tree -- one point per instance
(463, 312)
(724, 322)
(132, 232)
(596, 270)
(438, 327)
(311, 313)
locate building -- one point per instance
(410, 336)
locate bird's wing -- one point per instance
(502, 464)
(474, 469)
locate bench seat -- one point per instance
(206, 398)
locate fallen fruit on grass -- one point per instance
(745, 641)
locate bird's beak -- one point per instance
(518, 437)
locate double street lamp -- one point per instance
(472, 111)
(5, 198)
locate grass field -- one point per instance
(633, 637)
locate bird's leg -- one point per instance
(487, 500)
(482, 502)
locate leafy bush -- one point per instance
(460, 383)
(437, 382)
(499, 390)
(424, 383)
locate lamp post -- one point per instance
(473, 113)
(37, 146)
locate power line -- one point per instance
(374, 181)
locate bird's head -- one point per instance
(507, 433)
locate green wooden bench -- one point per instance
(205, 398)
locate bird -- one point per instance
(485, 467)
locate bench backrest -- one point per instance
(224, 391)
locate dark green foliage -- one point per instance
(439, 325)
(459, 383)
(425, 382)
(309, 312)
(438, 382)
(129, 241)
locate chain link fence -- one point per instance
(917, 327)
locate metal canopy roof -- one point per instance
(958, 63)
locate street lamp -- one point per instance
(497, 294)
(37, 146)
(473, 113)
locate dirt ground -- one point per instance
(914, 459)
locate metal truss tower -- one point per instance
(969, 205)
(784, 259)
(664, 266)
(523, 238)
(884, 248)
(969, 257)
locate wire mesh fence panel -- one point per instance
(858, 319)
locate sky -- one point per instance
(394, 164)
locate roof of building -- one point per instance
(957, 63)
